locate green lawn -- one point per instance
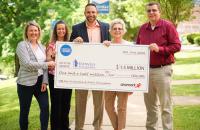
(186, 90)
(187, 65)
(187, 117)
(9, 108)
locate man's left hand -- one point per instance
(154, 47)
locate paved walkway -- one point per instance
(190, 48)
(182, 82)
(186, 100)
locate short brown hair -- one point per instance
(154, 3)
(90, 4)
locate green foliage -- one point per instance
(7, 66)
(187, 65)
(15, 14)
(197, 40)
(133, 14)
(191, 37)
(176, 10)
(186, 117)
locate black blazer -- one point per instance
(80, 30)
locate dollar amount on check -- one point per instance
(91, 66)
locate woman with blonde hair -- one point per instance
(32, 76)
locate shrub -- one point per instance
(197, 40)
(7, 66)
(191, 37)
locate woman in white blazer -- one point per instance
(32, 76)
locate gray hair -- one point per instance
(117, 21)
(31, 23)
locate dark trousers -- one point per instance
(60, 106)
(25, 94)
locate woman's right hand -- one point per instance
(53, 55)
(51, 64)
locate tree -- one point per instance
(15, 14)
(131, 11)
(176, 10)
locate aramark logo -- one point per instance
(138, 85)
(83, 65)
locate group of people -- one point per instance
(37, 71)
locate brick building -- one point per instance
(193, 25)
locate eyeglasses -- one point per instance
(115, 29)
(152, 10)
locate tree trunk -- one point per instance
(17, 66)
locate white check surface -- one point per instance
(97, 67)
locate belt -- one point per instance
(158, 66)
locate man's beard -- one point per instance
(91, 19)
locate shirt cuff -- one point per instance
(161, 50)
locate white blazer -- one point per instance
(28, 71)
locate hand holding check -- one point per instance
(78, 40)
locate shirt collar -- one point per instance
(158, 24)
(95, 25)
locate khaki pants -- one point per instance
(159, 89)
(81, 101)
(118, 119)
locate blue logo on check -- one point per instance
(65, 50)
(83, 64)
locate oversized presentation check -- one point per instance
(98, 67)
